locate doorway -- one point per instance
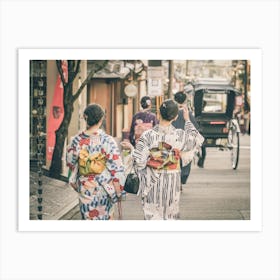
(105, 92)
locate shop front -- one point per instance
(106, 89)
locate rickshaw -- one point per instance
(214, 102)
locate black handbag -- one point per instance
(132, 182)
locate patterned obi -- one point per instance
(91, 164)
(164, 157)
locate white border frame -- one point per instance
(254, 55)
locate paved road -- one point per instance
(215, 192)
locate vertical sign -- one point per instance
(155, 80)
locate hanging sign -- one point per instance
(130, 90)
(155, 81)
(56, 111)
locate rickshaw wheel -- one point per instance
(233, 145)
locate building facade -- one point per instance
(109, 88)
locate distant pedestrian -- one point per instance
(202, 153)
(96, 168)
(201, 156)
(181, 99)
(142, 120)
(157, 160)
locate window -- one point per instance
(214, 102)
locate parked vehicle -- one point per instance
(214, 103)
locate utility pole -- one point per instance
(246, 104)
(170, 78)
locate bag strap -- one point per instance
(132, 167)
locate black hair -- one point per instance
(168, 110)
(180, 97)
(93, 114)
(144, 103)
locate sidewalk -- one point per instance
(60, 201)
(58, 198)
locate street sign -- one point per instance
(155, 81)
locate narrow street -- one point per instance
(215, 192)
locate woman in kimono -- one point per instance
(142, 120)
(96, 169)
(157, 161)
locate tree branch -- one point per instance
(60, 71)
(71, 72)
(89, 76)
(77, 68)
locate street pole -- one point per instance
(245, 86)
(170, 78)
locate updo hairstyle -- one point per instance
(145, 102)
(180, 97)
(168, 110)
(93, 114)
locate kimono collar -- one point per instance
(147, 110)
(165, 129)
(99, 132)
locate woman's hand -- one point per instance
(126, 145)
(117, 189)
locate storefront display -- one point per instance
(38, 88)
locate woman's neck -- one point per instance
(164, 122)
(92, 129)
(146, 109)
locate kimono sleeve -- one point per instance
(72, 154)
(141, 152)
(193, 138)
(114, 162)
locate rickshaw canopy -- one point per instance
(210, 84)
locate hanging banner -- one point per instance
(56, 111)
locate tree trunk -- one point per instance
(68, 101)
(61, 134)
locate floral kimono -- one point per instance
(95, 153)
(156, 159)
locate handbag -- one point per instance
(132, 182)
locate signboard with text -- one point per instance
(155, 80)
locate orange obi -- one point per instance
(164, 157)
(91, 164)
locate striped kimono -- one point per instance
(97, 192)
(160, 189)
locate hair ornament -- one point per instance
(164, 105)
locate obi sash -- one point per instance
(164, 157)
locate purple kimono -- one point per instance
(138, 118)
